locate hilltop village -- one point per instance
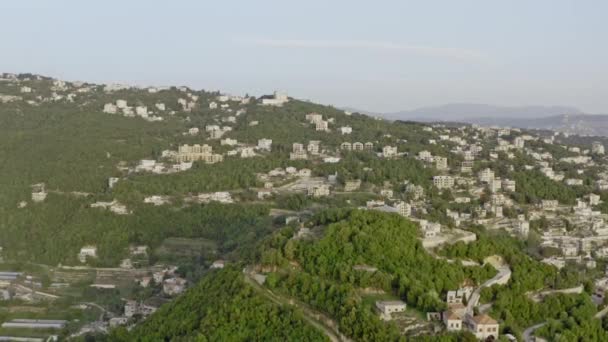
(128, 196)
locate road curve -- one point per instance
(527, 335)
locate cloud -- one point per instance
(459, 54)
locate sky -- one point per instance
(381, 55)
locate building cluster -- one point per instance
(301, 152)
(320, 124)
(121, 106)
(277, 99)
(357, 146)
(196, 152)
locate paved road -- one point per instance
(528, 337)
(538, 296)
(315, 318)
(601, 313)
(503, 276)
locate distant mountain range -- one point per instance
(471, 112)
(557, 118)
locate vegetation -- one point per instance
(511, 303)
(222, 308)
(325, 275)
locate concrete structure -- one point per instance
(110, 108)
(228, 142)
(441, 163)
(486, 175)
(265, 144)
(483, 327)
(466, 166)
(508, 185)
(318, 190)
(597, 148)
(190, 153)
(313, 147)
(452, 321)
(346, 130)
(218, 264)
(314, 117)
(443, 182)
(298, 152)
(277, 99)
(112, 181)
(549, 204)
(404, 209)
(389, 151)
(174, 286)
(87, 252)
(35, 324)
(322, 126)
(39, 192)
(389, 307)
(352, 185)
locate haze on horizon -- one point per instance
(383, 56)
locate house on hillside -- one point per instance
(483, 327)
(388, 307)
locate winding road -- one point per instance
(315, 318)
(503, 276)
(528, 333)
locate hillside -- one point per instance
(180, 214)
(222, 307)
(73, 148)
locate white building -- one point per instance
(549, 204)
(321, 190)
(483, 327)
(443, 182)
(298, 152)
(277, 99)
(87, 252)
(452, 321)
(110, 108)
(228, 142)
(441, 163)
(141, 110)
(486, 175)
(387, 308)
(597, 148)
(112, 181)
(508, 185)
(389, 151)
(265, 144)
(247, 152)
(174, 286)
(404, 209)
(346, 130)
(322, 125)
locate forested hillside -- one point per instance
(222, 308)
(326, 277)
(74, 148)
(301, 221)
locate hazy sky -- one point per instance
(374, 55)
